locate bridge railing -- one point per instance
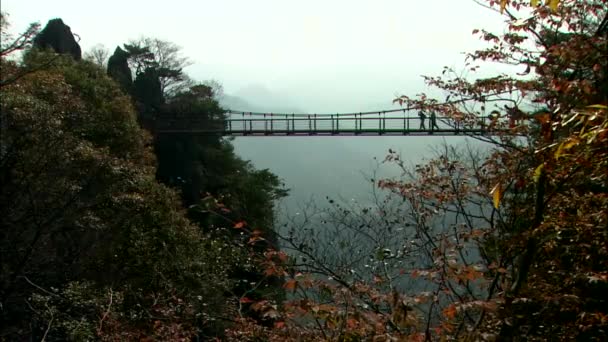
(311, 124)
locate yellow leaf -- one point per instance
(571, 143)
(565, 146)
(598, 106)
(553, 4)
(503, 5)
(558, 152)
(537, 172)
(496, 195)
(534, 3)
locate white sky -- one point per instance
(321, 55)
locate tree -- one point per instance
(533, 183)
(98, 54)
(218, 186)
(118, 69)
(10, 45)
(165, 57)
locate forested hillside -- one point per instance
(110, 231)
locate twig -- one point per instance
(48, 326)
(38, 287)
(105, 314)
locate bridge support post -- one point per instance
(337, 123)
(383, 122)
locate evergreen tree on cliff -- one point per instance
(118, 69)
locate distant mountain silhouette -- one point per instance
(234, 102)
(258, 98)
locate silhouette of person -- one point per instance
(422, 117)
(434, 121)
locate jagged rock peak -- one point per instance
(58, 36)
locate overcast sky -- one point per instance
(325, 55)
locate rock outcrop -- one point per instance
(58, 36)
(118, 69)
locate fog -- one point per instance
(315, 56)
(316, 167)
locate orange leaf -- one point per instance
(503, 5)
(290, 284)
(240, 225)
(450, 311)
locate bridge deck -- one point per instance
(341, 132)
(244, 124)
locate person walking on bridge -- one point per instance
(434, 121)
(422, 117)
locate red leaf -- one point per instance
(351, 323)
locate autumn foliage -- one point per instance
(508, 244)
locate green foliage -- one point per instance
(81, 203)
(93, 246)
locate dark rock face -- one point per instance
(58, 36)
(118, 69)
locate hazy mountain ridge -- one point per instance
(258, 98)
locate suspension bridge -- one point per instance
(387, 122)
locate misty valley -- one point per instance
(282, 172)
